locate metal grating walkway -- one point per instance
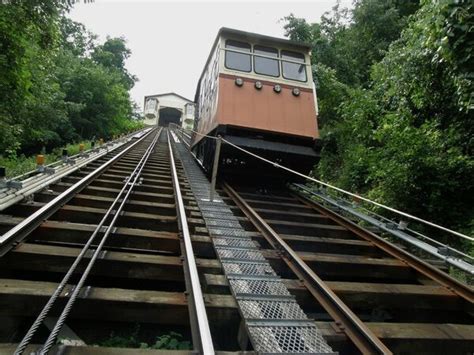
(273, 319)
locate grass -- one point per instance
(19, 165)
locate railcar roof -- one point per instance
(226, 30)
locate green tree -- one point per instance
(112, 54)
(28, 33)
(407, 140)
(58, 84)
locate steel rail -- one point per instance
(401, 213)
(23, 229)
(386, 226)
(131, 184)
(362, 337)
(40, 182)
(44, 312)
(200, 327)
(421, 266)
(59, 162)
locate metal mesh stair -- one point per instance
(274, 321)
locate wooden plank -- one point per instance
(132, 204)
(328, 245)
(96, 350)
(144, 196)
(58, 231)
(366, 295)
(278, 206)
(141, 187)
(78, 233)
(260, 196)
(26, 298)
(116, 172)
(46, 258)
(314, 229)
(165, 181)
(423, 338)
(91, 215)
(345, 267)
(293, 216)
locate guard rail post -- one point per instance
(215, 166)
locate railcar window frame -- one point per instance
(238, 52)
(288, 60)
(266, 56)
(293, 59)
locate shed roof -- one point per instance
(168, 93)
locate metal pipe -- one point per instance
(459, 263)
(203, 339)
(39, 181)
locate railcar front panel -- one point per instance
(264, 109)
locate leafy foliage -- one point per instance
(168, 341)
(171, 341)
(395, 84)
(57, 84)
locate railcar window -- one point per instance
(238, 61)
(293, 71)
(263, 65)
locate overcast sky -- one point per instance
(170, 41)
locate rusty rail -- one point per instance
(362, 337)
(421, 266)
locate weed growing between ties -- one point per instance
(166, 341)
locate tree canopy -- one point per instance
(395, 88)
(56, 82)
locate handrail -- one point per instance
(404, 214)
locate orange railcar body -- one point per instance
(264, 109)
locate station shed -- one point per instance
(163, 109)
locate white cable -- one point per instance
(342, 190)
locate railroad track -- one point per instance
(112, 251)
(277, 273)
(353, 282)
(366, 294)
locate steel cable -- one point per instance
(62, 318)
(279, 166)
(44, 312)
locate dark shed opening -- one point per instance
(169, 115)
